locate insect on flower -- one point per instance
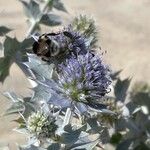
(46, 47)
(57, 45)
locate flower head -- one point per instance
(85, 78)
(41, 125)
(82, 82)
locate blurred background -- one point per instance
(124, 32)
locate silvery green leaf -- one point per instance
(101, 109)
(70, 136)
(27, 43)
(25, 106)
(124, 145)
(4, 30)
(31, 9)
(50, 20)
(31, 147)
(11, 46)
(15, 108)
(39, 68)
(59, 5)
(93, 125)
(67, 117)
(5, 64)
(22, 130)
(121, 89)
(12, 96)
(29, 107)
(54, 146)
(41, 93)
(86, 146)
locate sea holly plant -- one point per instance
(78, 102)
(38, 13)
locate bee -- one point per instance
(46, 47)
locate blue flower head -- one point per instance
(82, 82)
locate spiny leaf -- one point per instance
(59, 5)
(121, 88)
(29, 107)
(41, 93)
(4, 30)
(31, 9)
(4, 68)
(124, 145)
(50, 20)
(31, 147)
(71, 136)
(12, 96)
(14, 51)
(11, 46)
(54, 146)
(39, 68)
(15, 108)
(23, 105)
(93, 125)
(86, 146)
(26, 43)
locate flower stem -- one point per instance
(32, 27)
(67, 117)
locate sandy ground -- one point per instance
(124, 33)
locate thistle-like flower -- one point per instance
(86, 26)
(41, 125)
(81, 83)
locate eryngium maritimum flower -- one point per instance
(41, 125)
(85, 78)
(81, 83)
